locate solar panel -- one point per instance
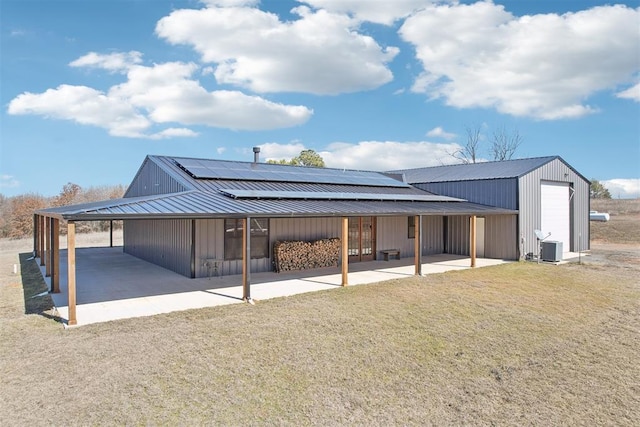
(327, 195)
(220, 169)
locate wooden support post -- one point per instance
(42, 239)
(47, 249)
(55, 256)
(345, 251)
(472, 249)
(71, 271)
(418, 245)
(111, 233)
(35, 235)
(246, 259)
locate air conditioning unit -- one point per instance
(551, 251)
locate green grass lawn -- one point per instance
(518, 344)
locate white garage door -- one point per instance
(555, 212)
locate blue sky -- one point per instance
(88, 88)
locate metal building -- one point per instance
(199, 217)
(549, 195)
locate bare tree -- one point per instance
(504, 144)
(469, 153)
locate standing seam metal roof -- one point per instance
(204, 199)
(477, 171)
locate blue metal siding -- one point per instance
(492, 192)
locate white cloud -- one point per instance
(8, 181)
(388, 155)
(83, 105)
(632, 93)
(163, 93)
(275, 151)
(319, 53)
(230, 3)
(119, 61)
(541, 66)
(623, 188)
(174, 132)
(438, 132)
(382, 12)
(371, 155)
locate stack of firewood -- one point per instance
(297, 255)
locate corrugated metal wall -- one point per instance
(152, 180)
(166, 243)
(501, 237)
(530, 202)
(304, 229)
(501, 193)
(458, 235)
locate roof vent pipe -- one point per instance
(256, 154)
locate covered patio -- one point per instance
(114, 285)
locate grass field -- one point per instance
(519, 344)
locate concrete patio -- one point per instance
(113, 285)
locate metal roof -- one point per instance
(197, 204)
(476, 171)
(235, 197)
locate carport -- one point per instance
(116, 285)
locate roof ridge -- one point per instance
(472, 164)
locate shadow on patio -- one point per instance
(113, 285)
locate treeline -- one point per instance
(16, 213)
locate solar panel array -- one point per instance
(326, 195)
(245, 171)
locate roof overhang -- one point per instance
(204, 205)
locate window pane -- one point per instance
(233, 238)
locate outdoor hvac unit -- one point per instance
(552, 251)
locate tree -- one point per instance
(21, 218)
(305, 158)
(598, 191)
(469, 153)
(309, 158)
(68, 194)
(504, 144)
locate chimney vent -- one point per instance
(256, 154)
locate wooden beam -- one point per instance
(71, 271)
(55, 256)
(345, 251)
(418, 245)
(47, 250)
(472, 249)
(246, 259)
(41, 235)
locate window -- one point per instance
(411, 230)
(233, 238)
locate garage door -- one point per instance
(555, 212)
